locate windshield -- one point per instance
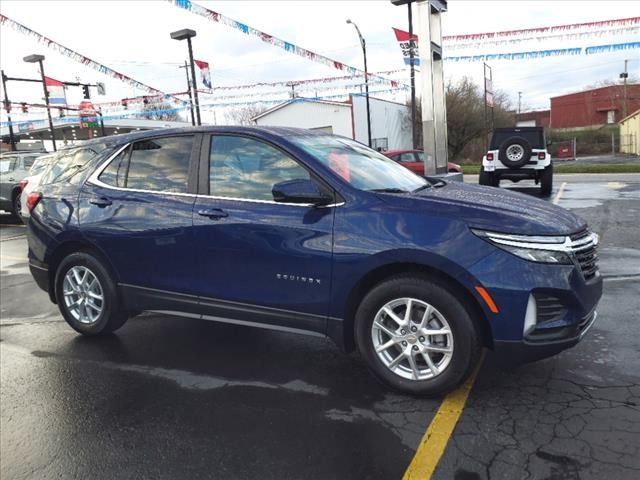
(41, 164)
(360, 166)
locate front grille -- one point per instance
(584, 247)
(549, 308)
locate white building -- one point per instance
(390, 121)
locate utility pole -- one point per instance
(7, 107)
(519, 101)
(186, 70)
(624, 75)
(293, 89)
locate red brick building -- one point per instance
(600, 106)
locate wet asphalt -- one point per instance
(168, 397)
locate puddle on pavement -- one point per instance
(587, 195)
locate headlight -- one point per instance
(540, 249)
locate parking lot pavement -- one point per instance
(173, 398)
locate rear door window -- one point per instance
(156, 164)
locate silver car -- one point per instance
(14, 167)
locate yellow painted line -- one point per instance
(440, 429)
(556, 200)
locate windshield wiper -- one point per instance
(388, 190)
(436, 182)
(422, 187)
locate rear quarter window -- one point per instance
(69, 165)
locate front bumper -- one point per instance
(531, 351)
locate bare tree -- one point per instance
(245, 115)
(158, 109)
(466, 128)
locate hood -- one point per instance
(495, 209)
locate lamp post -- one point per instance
(38, 59)
(366, 77)
(187, 34)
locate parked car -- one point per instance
(14, 167)
(516, 154)
(31, 182)
(414, 160)
(308, 232)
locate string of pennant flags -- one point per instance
(205, 106)
(629, 30)
(275, 41)
(67, 52)
(545, 53)
(547, 30)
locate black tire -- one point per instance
(17, 207)
(466, 338)
(112, 315)
(524, 152)
(546, 181)
(486, 178)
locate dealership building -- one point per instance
(390, 121)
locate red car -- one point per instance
(414, 160)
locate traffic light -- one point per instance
(24, 107)
(7, 105)
(125, 104)
(85, 91)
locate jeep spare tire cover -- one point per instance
(515, 152)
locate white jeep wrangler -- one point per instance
(516, 154)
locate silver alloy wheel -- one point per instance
(515, 152)
(412, 339)
(83, 294)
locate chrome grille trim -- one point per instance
(584, 245)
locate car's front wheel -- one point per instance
(87, 296)
(417, 336)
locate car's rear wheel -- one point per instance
(546, 181)
(87, 296)
(17, 208)
(417, 336)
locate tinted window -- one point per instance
(247, 168)
(41, 164)
(357, 164)
(7, 165)
(27, 162)
(68, 165)
(407, 157)
(159, 164)
(535, 137)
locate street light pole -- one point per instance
(186, 71)
(366, 78)
(7, 107)
(38, 59)
(413, 79)
(187, 34)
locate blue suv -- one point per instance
(308, 232)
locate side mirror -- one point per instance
(299, 191)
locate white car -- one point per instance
(516, 154)
(30, 183)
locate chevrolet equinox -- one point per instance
(308, 232)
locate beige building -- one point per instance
(630, 134)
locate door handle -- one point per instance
(100, 202)
(213, 213)
(11, 179)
